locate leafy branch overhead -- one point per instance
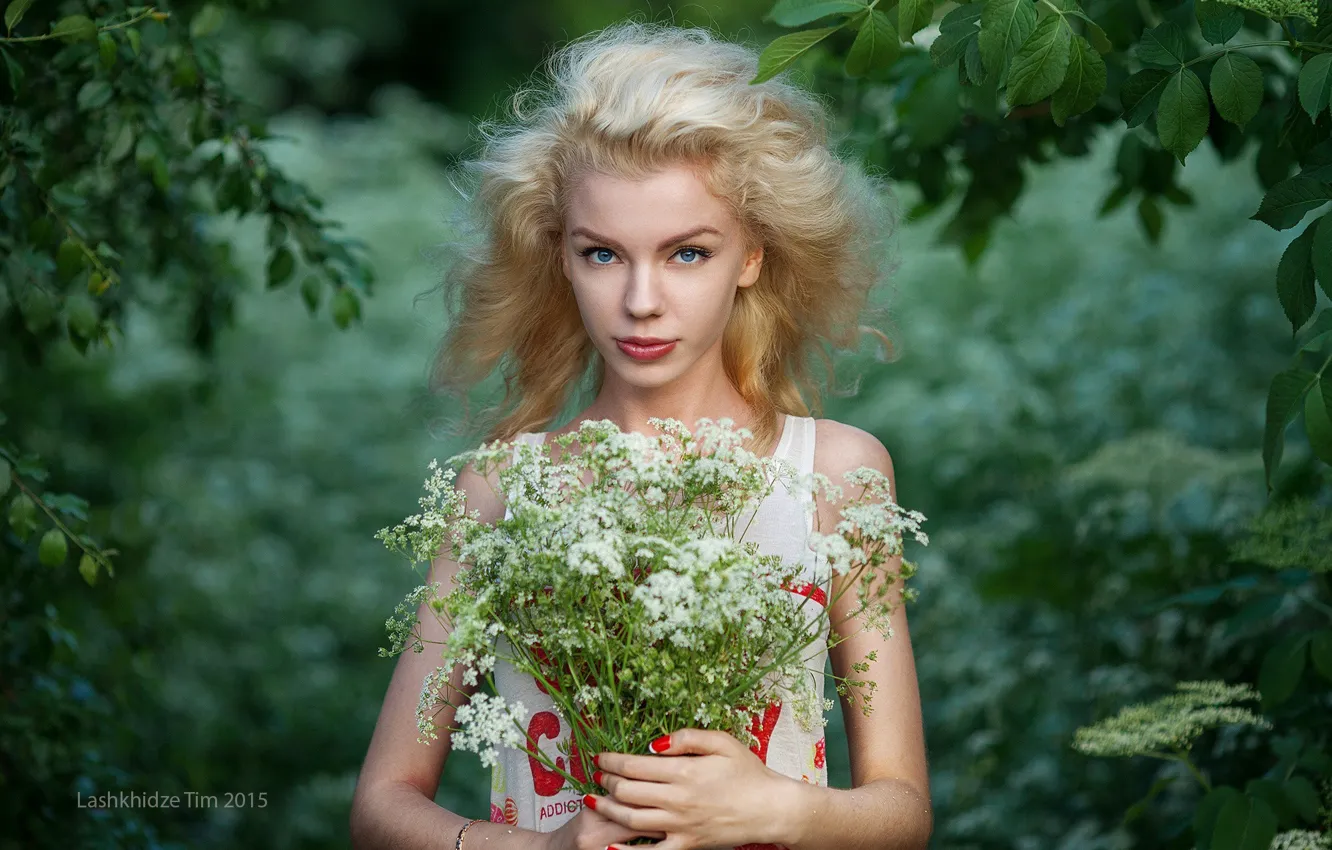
(119, 142)
(995, 84)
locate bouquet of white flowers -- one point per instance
(622, 582)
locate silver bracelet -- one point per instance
(457, 845)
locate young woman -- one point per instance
(689, 240)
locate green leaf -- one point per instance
(786, 49)
(956, 31)
(1205, 816)
(81, 315)
(1273, 794)
(346, 308)
(913, 16)
(974, 64)
(280, 267)
(1164, 45)
(1286, 203)
(69, 258)
(1244, 823)
(1318, 419)
(14, 13)
(1319, 331)
(207, 21)
(94, 94)
(1284, 396)
(1315, 84)
(1005, 25)
(1218, 21)
(1141, 93)
(1181, 116)
(1237, 88)
(797, 13)
(876, 46)
(1321, 256)
(311, 290)
(106, 48)
(1112, 201)
(135, 40)
(23, 515)
(5, 476)
(1083, 84)
(75, 28)
(1149, 215)
(1280, 672)
(53, 549)
(1098, 39)
(121, 144)
(15, 70)
(1041, 62)
(1300, 791)
(1295, 275)
(88, 569)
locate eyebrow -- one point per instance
(666, 243)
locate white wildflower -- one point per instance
(621, 578)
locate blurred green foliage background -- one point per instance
(1079, 415)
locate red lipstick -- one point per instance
(645, 347)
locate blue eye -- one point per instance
(603, 255)
(698, 254)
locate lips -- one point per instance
(645, 348)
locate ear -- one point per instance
(753, 264)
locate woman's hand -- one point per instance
(590, 830)
(703, 788)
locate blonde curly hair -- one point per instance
(626, 101)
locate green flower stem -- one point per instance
(610, 672)
(1183, 758)
(150, 12)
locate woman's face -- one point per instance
(660, 258)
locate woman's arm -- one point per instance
(393, 805)
(888, 805)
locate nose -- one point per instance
(643, 295)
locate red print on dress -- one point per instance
(544, 661)
(546, 782)
(761, 728)
(820, 752)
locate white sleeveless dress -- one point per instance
(526, 794)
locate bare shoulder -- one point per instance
(483, 492)
(840, 448)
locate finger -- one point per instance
(629, 816)
(657, 795)
(693, 741)
(646, 768)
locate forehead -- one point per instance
(667, 201)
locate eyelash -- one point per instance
(702, 252)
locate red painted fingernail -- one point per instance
(660, 745)
(590, 801)
(596, 777)
(594, 759)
